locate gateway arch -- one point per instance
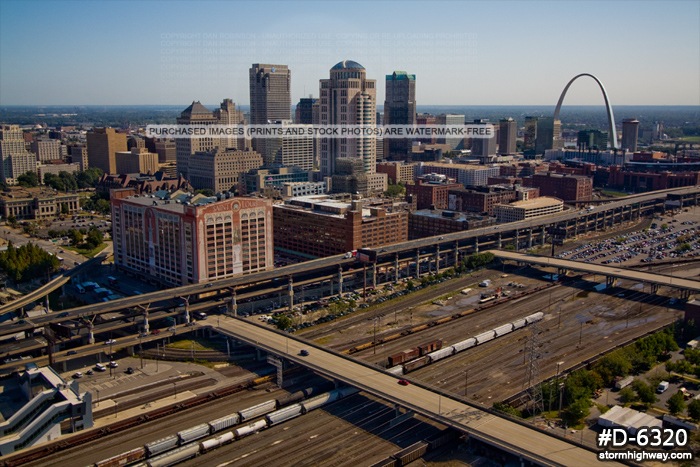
(611, 118)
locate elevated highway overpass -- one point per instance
(522, 234)
(686, 286)
(518, 439)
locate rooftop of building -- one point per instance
(177, 200)
(13, 398)
(542, 202)
(18, 192)
(347, 65)
(401, 75)
(196, 108)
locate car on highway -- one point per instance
(63, 315)
(71, 352)
(110, 342)
(77, 374)
(172, 329)
(304, 352)
(403, 382)
(155, 332)
(113, 364)
(100, 367)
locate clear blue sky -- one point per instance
(462, 52)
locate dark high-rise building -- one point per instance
(548, 134)
(304, 112)
(270, 101)
(507, 135)
(630, 134)
(592, 139)
(399, 109)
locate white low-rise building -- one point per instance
(521, 210)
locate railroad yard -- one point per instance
(578, 324)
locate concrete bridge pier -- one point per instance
(374, 275)
(498, 241)
(279, 363)
(684, 294)
(609, 281)
(654, 288)
(476, 244)
(340, 281)
(529, 238)
(396, 268)
(543, 236)
(290, 292)
(234, 305)
(456, 254)
(417, 264)
(517, 240)
(437, 259)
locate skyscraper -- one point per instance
(455, 142)
(630, 134)
(548, 135)
(270, 101)
(14, 157)
(195, 114)
(399, 109)
(304, 112)
(348, 98)
(507, 135)
(102, 145)
(483, 147)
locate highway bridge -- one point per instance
(686, 286)
(443, 250)
(516, 438)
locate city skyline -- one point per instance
(518, 53)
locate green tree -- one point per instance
(94, 238)
(581, 384)
(88, 178)
(612, 365)
(28, 179)
(676, 403)
(54, 181)
(506, 408)
(694, 410)
(576, 412)
(76, 237)
(644, 391)
(395, 191)
(12, 221)
(282, 322)
(628, 395)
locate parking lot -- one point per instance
(667, 238)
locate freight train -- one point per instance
(188, 443)
(406, 366)
(410, 354)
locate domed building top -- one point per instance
(348, 65)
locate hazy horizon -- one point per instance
(480, 52)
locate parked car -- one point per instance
(113, 364)
(100, 367)
(77, 374)
(130, 371)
